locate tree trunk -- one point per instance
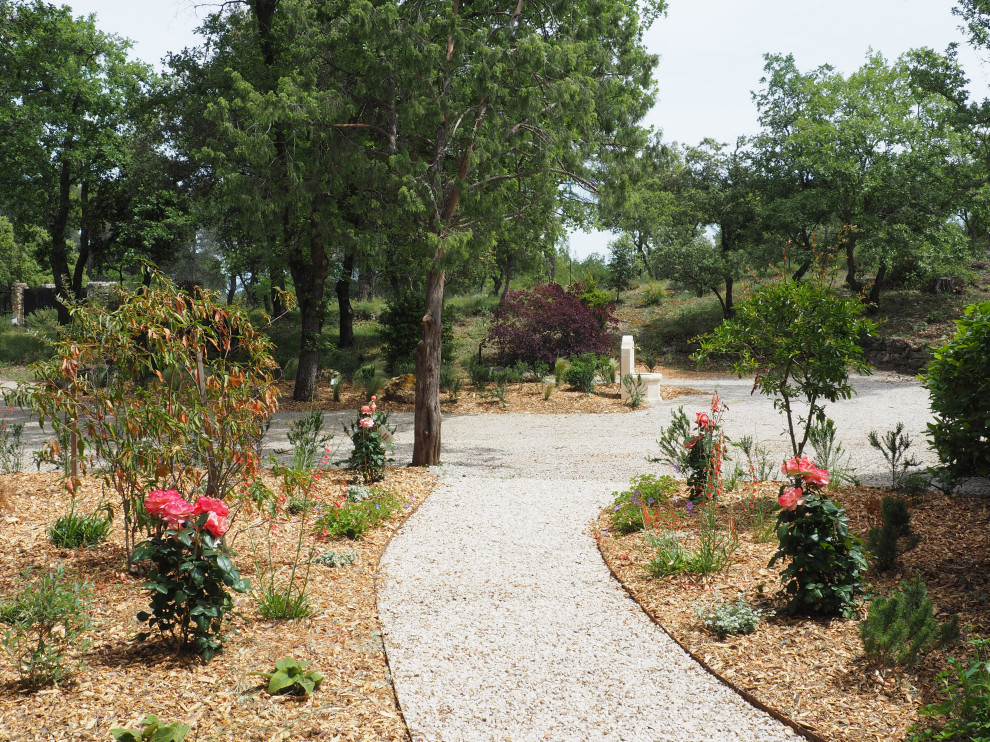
(728, 308)
(231, 288)
(851, 280)
(58, 258)
(344, 302)
(641, 249)
(84, 231)
(497, 280)
(310, 278)
(427, 417)
(873, 300)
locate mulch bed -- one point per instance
(813, 671)
(123, 679)
(520, 397)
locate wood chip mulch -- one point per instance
(814, 671)
(123, 679)
(526, 397)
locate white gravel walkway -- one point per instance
(502, 623)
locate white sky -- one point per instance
(711, 52)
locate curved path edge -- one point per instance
(749, 697)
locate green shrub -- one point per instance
(73, 530)
(725, 618)
(900, 629)
(46, 625)
(582, 372)
(654, 295)
(560, 369)
(353, 519)
(479, 372)
(825, 562)
(965, 713)
(401, 328)
(777, 333)
(958, 380)
(43, 324)
(202, 424)
(646, 491)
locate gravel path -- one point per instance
(501, 621)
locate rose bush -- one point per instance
(826, 561)
(372, 438)
(190, 570)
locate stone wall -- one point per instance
(895, 354)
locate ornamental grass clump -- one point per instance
(825, 562)
(190, 571)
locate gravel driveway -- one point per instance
(502, 623)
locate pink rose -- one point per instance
(367, 422)
(175, 512)
(211, 505)
(365, 410)
(169, 506)
(790, 498)
(215, 524)
(817, 477)
(156, 499)
(798, 466)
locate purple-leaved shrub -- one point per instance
(549, 322)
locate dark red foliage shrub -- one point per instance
(547, 323)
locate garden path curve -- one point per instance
(501, 621)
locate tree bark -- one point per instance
(427, 417)
(310, 278)
(344, 302)
(84, 232)
(58, 258)
(873, 300)
(851, 280)
(728, 308)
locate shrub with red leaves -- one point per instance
(547, 323)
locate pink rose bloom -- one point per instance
(215, 524)
(799, 466)
(366, 410)
(790, 498)
(175, 512)
(367, 422)
(817, 477)
(211, 505)
(155, 500)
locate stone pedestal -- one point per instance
(627, 365)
